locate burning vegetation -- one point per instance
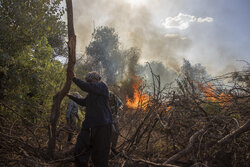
(139, 98)
(212, 96)
(192, 124)
(171, 120)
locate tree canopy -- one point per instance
(32, 35)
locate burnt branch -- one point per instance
(190, 145)
(244, 128)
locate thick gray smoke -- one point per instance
(134, 27)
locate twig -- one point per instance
(153, 163)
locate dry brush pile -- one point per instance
(185, 124)
(192, 124)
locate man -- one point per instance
(115, 105)
(95, 135)
(71, 115)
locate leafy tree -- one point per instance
(31, 35)
(33, 78)
(24, 22)
(104, 54)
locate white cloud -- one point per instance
(206, 19)
(183, 21)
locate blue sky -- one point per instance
(220, 43)
(215, 33)
(232, 22)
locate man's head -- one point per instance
(93, 76)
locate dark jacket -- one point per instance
(96, 102)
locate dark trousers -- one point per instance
(94, 142)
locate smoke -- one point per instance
(135, 28)
(132, 56)
(166, 74)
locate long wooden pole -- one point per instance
(57, 99)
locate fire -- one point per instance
(222, 99)
(168, 108)
(139, 99)
(209, 92)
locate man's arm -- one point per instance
(78, 100)
(97, 88)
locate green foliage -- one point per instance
(31, 35)
(24, 22)
(33, 77)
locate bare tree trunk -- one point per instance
(57, 99)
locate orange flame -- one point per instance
(139, 99)
(222, 99)
(210, 96)
(168, 108)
